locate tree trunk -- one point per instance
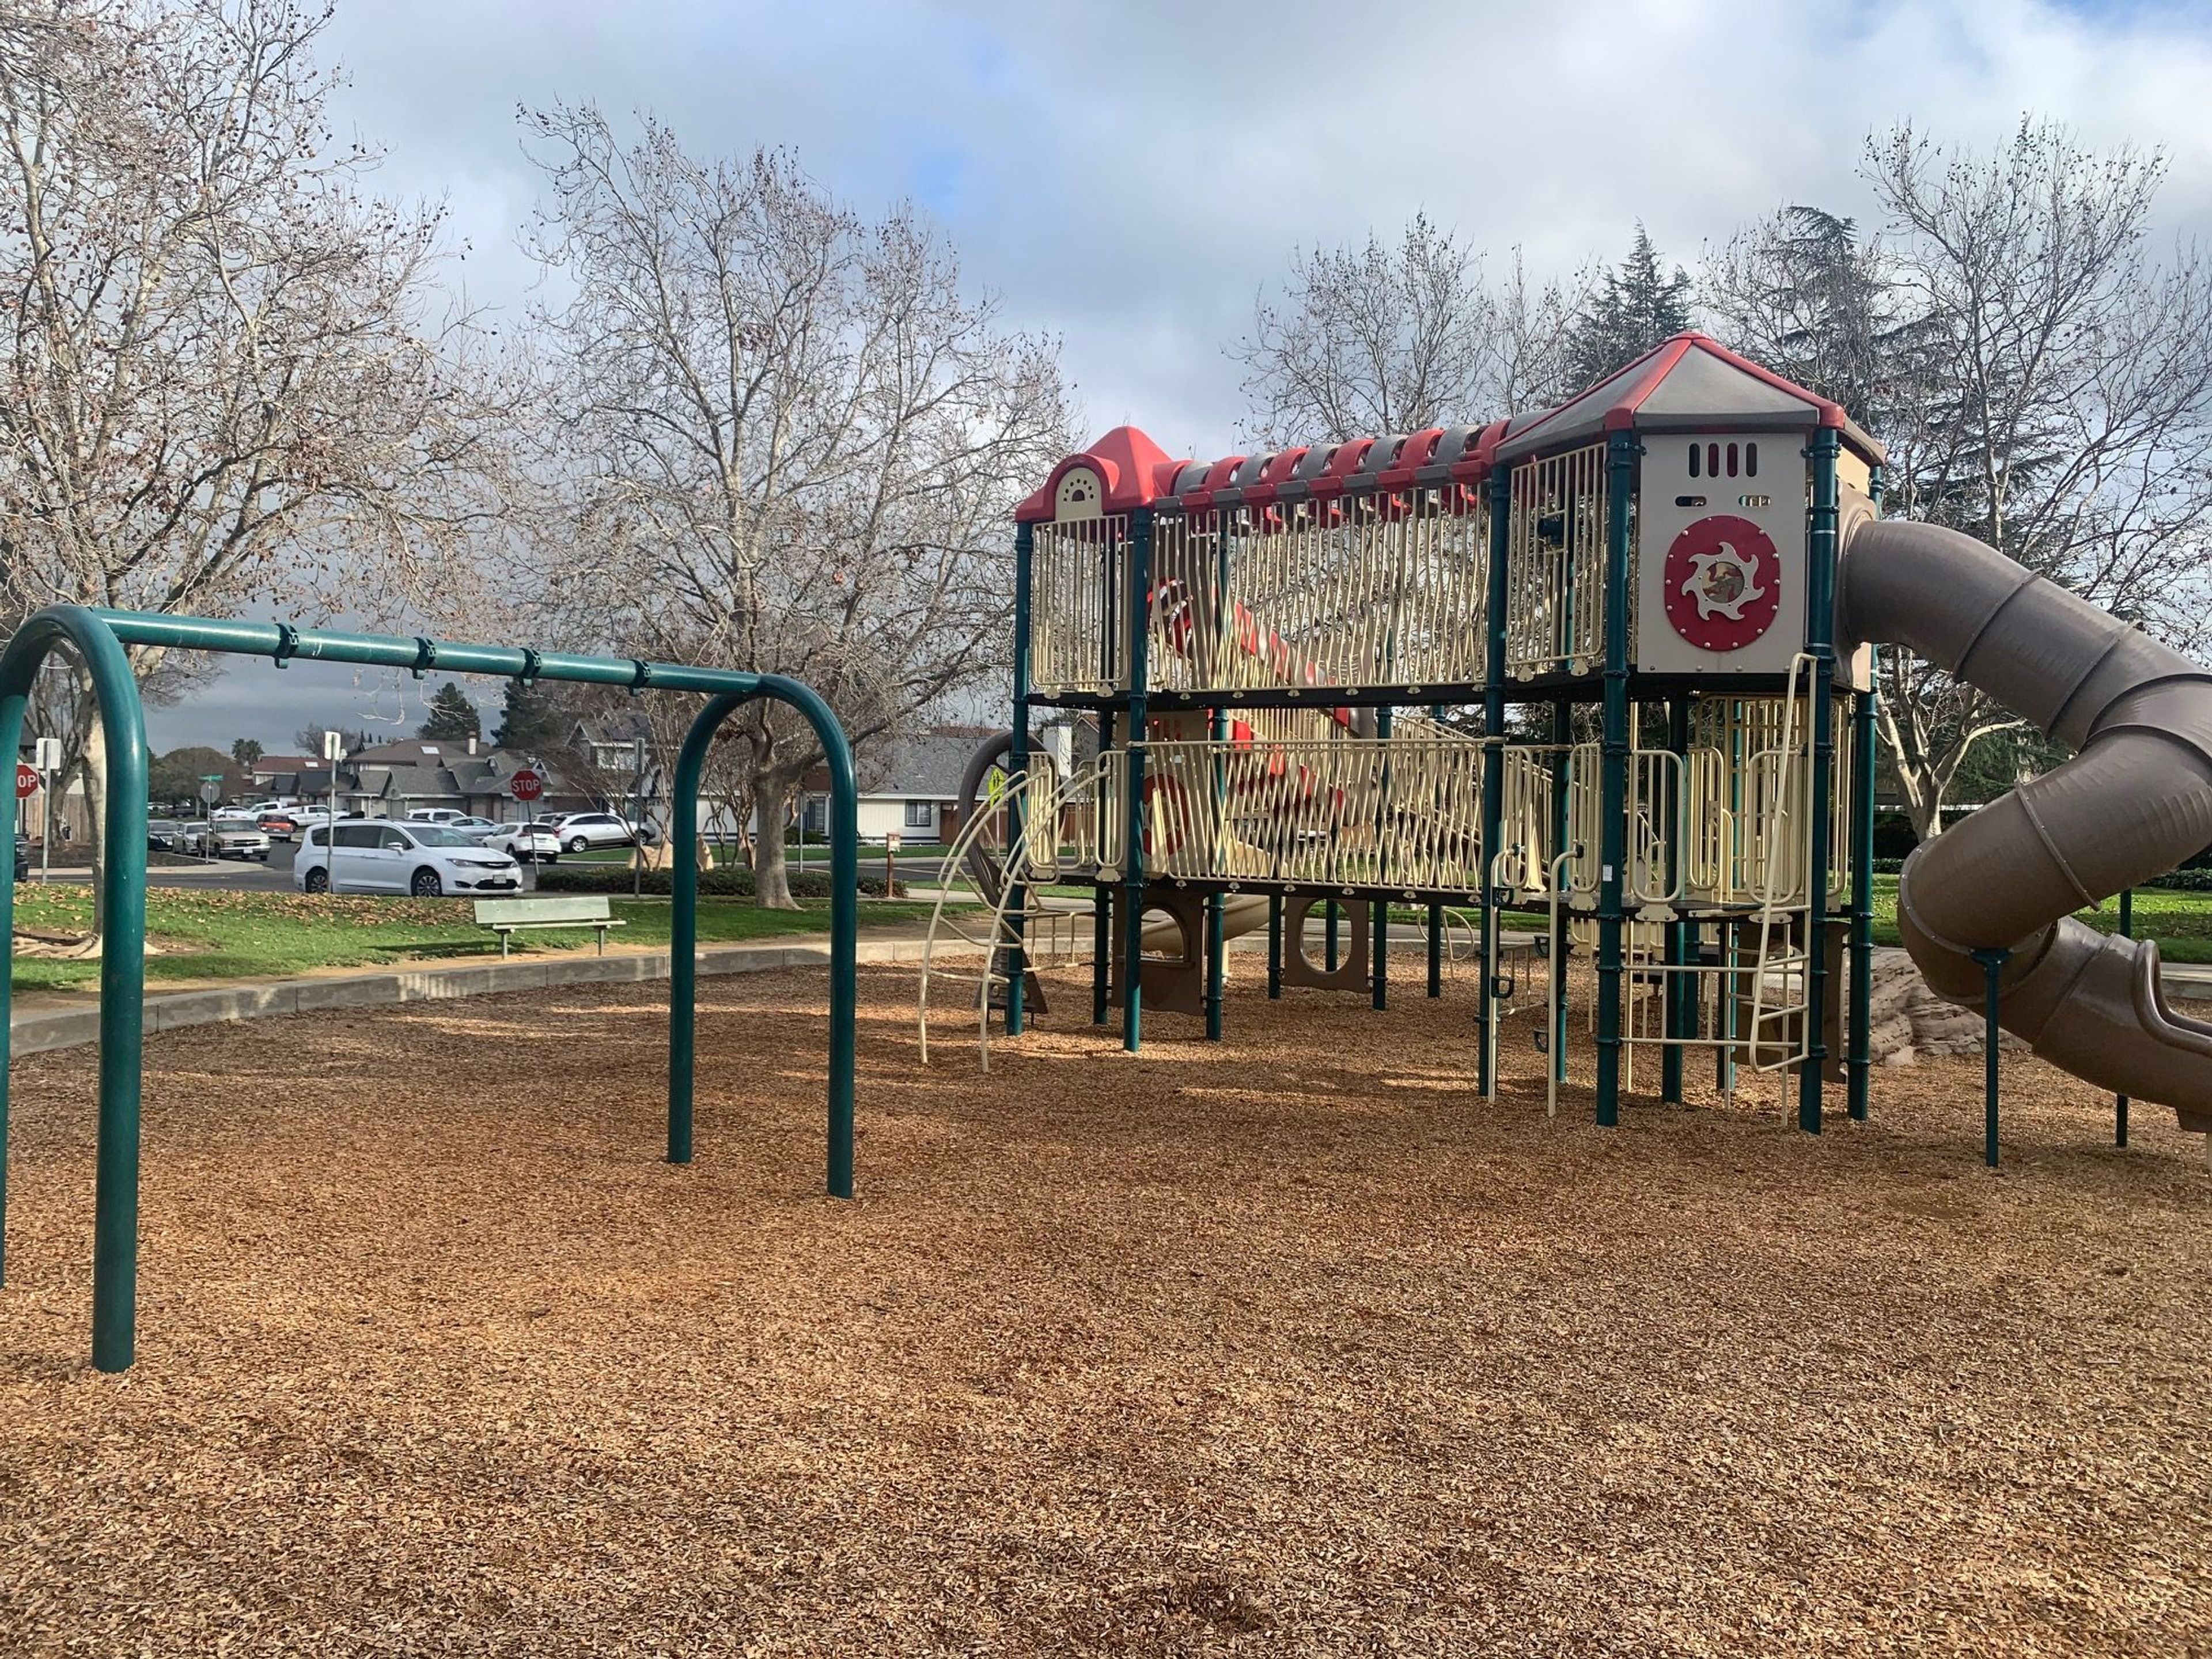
(771, 879)
(92, 766)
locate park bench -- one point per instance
(509, 916)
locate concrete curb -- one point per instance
(42, 1031)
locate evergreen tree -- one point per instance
(529, 720)
(1633, 310)
(453, 717)
(246, 752)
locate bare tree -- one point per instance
(228, 374)
(791, 439)
(2054, 397)
(2040, 379)
(1375, 339)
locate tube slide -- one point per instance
(2133, 803)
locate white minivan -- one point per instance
(375, 855)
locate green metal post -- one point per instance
(1493, 765)
(1821, 644)
(1378, 910)
(1216, 940)
(123, 956)
(1101, 910)
(683, 920)
(1621, 451)
(1018, 771)
(844, 921)
(1139, 621)
(1672, 1022)
(1435, 912)
(1993, 964)
(1860, 1062)
(2120, 1102)
(1563, 733)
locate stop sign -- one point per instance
(526, 785)
(26, 779)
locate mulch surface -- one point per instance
(1287, 1345)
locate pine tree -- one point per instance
(453, 717)
(1636, 308)
(529, 720)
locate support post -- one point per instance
(844, 920)
(1137, 619)
(1101, 910)
(1993, 964)
(1860, 1064)
(1378, 909)
(1621, 451)
(1017, 774)
(1274, 947)
(1820, 645)
(122, 957)
(2120, 1102)
(1671, 1021)
(1500, 485)
(1435, 948)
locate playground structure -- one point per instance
(1610, 664)
(100, 638)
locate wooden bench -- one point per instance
(509, 916)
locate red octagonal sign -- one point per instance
(1722, 583)
(27, 781)
(526, 785)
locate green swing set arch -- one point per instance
(99, 638)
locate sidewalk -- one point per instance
(38, 1031)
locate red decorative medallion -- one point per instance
(1722, 583)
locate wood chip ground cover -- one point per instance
(1287, 1344)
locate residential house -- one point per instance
(910, 786)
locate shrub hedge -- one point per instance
(614, 880)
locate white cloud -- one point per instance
(1128, 175)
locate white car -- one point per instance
(581, 831)
(376, 855)
(435, 815)
(531, 843)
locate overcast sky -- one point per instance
(1126, 176)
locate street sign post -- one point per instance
(210, 791)
(527, 785)
(47, 758)
(333, 752)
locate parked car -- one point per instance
(435, 815)
(280, 824)
(581, 831)
(368, 855)
(165, 835)
(531, 843)
(22, 858)
(477, 827)
(231, 838)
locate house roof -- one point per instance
(927, 764)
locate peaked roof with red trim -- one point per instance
(1133, 469)
(1689, 383)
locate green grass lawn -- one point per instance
(228, 935)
